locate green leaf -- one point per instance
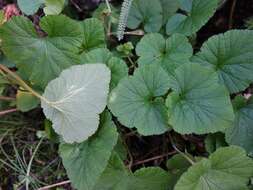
(177, 165)
(241, 134)
(29, 7)
(170, 53)
(120, 149)
(151, 178)
(53, 7)
(42, 59)
(86, 162)
(76, 98)
(197, 14)
(146, 12)
(134, 101)
(186, 5)
(231, 56)
(117, 177)
(169, 7)
(125, 50)
(226, 169)
(5, 61)
(117, 66)
(26, 101)
(214, 141)
(94, 35)
(198, 103)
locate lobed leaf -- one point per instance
(169, 53)
(42, 59)
(197, 13)
(231, 56)
(145, 12)
(227, 168)
(135, 100)
(198, 103)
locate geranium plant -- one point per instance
(135, 67)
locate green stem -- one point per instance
(22, 83)
(108, 6)
(30, 164)
(180, 152)
(131, 61)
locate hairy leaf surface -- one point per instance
(77, 97)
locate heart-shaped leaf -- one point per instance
(86, 162)
(198, 103)
(29, 7)
(169, 7)
(75, 100)
(94, 34)
(226, 169)
(53, 7)
(42, 59)
(231, 56)
(197, 13)
(170, 53)
(146, 12)
(136, 98)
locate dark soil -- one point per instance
(227, 18)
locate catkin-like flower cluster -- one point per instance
(123, 18)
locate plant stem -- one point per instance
(230, 24)
(180, 152)
(30, 164)
(55, 185)
(8, 111)
(22, 83)
(131, 61)
(108, 6)
(5, 98)
(153, 158)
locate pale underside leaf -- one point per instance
(76, 98)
